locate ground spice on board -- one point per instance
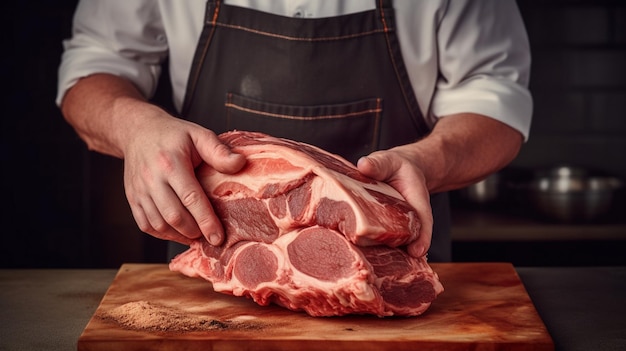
(147, 316)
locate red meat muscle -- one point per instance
(307, 231)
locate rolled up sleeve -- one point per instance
(484, 63)
(123, 38)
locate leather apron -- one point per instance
(338, 82)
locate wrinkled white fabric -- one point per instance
(461, 55)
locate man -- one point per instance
(428, 96)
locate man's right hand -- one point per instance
(164, 194)
(160, 155)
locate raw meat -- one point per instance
(307, 231)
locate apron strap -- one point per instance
(211, 14)
(384, 8)
(212, 10)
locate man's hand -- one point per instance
(165, 197)
(160, 155)
(461, 149)
(398, 170)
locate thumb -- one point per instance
(375, 166)
(384, 167)
(216, 154)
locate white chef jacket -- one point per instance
(461, 55)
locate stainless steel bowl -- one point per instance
(569, 195)
(483, 192)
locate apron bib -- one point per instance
(338, 83)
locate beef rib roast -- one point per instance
(307, 231)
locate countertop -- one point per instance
(489, 224)
(47, 309)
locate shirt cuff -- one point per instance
(76, 65)
(500, 99)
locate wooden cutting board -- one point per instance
(484, 307)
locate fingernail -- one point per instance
(361, 160)
(215, 239)
(417, 251)
(234, 155)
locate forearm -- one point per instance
(463, 149)
(103, 108)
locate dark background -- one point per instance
(64, 206)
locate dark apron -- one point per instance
(338, 83)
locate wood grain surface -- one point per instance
(484, 307)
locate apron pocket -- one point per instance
(349, 129)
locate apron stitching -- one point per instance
(349, 36)
(199, 65)
(395, 65)
(229, 98)
(376, 110)
(382, 14)
(376, 134)
(398, 77)
(216, 13)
